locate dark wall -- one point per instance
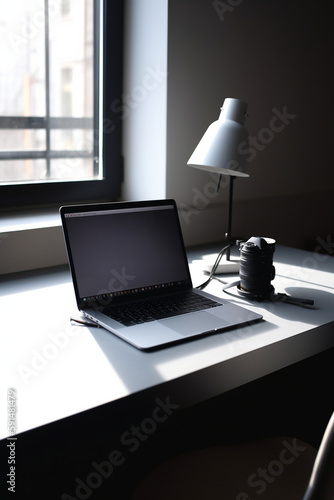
(278, 57)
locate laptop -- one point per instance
(131, 276)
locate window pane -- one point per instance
(71, 59)
(23, 170)
(61, 160)
(22, 140)
(22, 55)
(71, 168)
(47, 76)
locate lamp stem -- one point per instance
(229, 218)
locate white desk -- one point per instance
(59, 370)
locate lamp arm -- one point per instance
(229, 218)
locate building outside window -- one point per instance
(52, 99)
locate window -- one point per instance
(61, 70)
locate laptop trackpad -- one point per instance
(200, 322)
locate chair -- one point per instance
(270, 469)
(321, 483)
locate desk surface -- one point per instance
(59, 370)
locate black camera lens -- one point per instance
(256, 268)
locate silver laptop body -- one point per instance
(130, 255)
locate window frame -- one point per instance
(56, 193)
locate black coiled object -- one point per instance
(256, 268)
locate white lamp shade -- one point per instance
(224, 146)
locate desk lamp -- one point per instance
(220, 151)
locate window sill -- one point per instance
(34, 219)
(31, 240)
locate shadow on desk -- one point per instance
(322, 300)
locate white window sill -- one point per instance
(31, 240)
(23, 221)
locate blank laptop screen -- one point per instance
(128, 250)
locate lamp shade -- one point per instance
(224, 145)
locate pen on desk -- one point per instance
(283, 297)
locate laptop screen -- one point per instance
(119, 250)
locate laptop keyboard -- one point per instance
(159, 308)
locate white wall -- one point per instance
(144, 109)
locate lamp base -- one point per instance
(225, 266)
